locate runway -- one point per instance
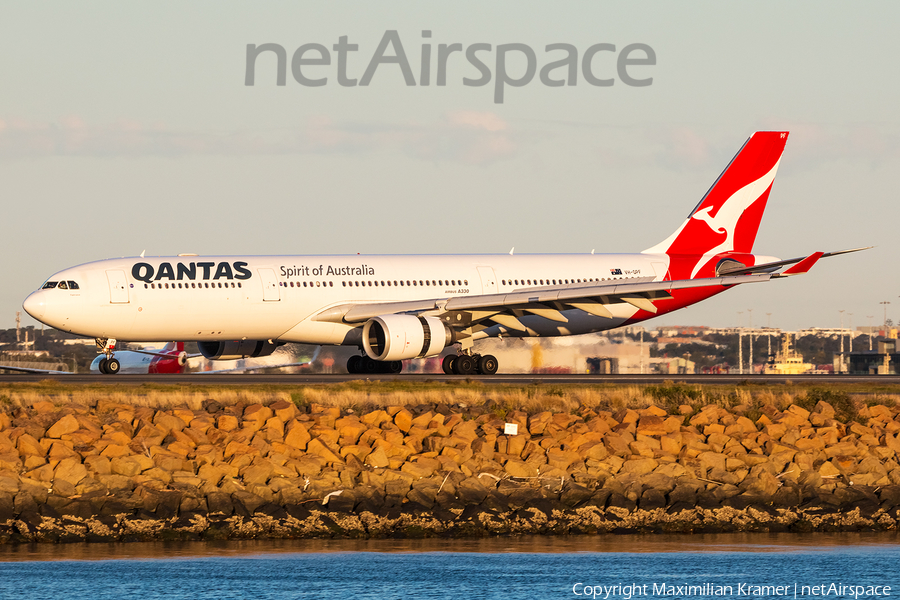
(512, 379)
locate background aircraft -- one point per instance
(171, 359)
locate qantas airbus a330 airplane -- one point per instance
(400, 307)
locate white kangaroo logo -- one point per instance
(730, 212)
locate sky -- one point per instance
(128, 127)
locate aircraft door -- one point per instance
(271, 293)
(118, 287)
(488, 280)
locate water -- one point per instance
(510, 568)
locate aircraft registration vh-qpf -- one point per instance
(401, 307)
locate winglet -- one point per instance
(804, 265)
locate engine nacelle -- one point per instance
(236, 349)
(396, 337)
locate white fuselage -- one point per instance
(277, 297)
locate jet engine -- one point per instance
(396, 337)
(236, 349)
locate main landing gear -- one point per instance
(364, 364)
(108, 365)
(463, 364)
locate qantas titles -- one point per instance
(145, 272)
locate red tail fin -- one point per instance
(728, 217)
(173, 347)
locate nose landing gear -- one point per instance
(108, 365)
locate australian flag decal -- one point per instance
(615, 271)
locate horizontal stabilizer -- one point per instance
(804, 265)
(738, 269)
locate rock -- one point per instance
(574, 495)
(639, 466)
(561, 459)
(70, 470)
(471, 491)
(538, 423)
(127, 466)
(825, 409)
(375, 418)
(297, 436)
(403, 420)
(711, 460)
(422, 468)
(652, 499)
(284, 410)
(245, 503)
(318, 448)
(167, 423)
(518, 468)
(27, 445)
(651, 425)
(227, 423)
(67, 424)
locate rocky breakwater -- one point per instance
(113, 471)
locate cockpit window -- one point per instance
(62, 285)
(72, 285)
(49, 285)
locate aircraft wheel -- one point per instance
(395, 366)
(369, 365)
(102, 366)
(113, 366)
(354, 364)
(488, 365)
(465, 365)
(447, 364)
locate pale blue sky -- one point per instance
(127, 127)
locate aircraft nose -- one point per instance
(34, 306)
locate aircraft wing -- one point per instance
(543, 301)
(550, 301)
(35, 371)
